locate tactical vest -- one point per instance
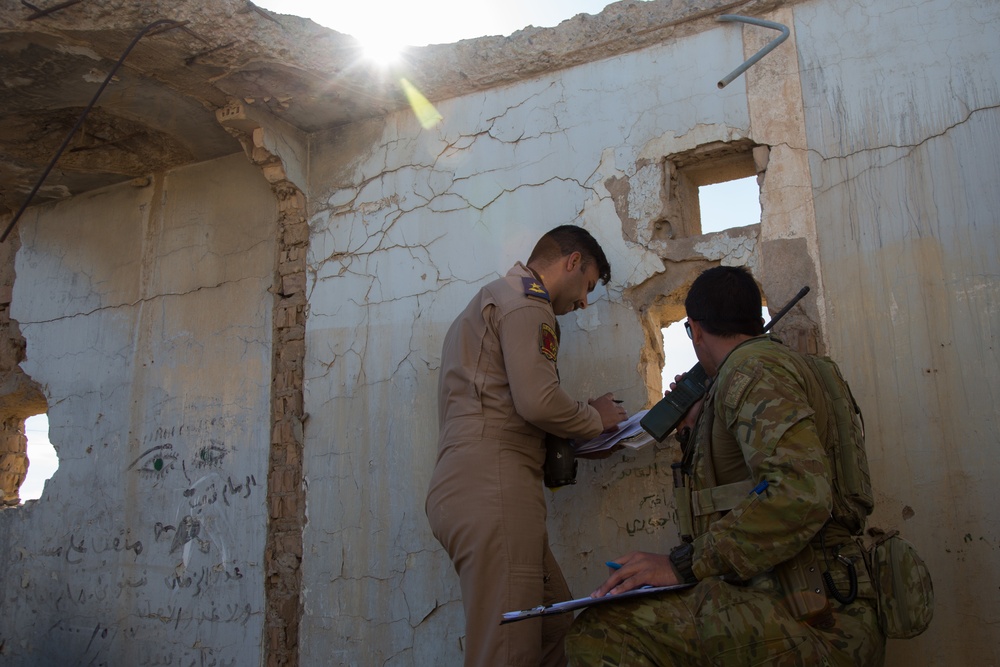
(843, 430)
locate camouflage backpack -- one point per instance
(900, 577)
(853, 498)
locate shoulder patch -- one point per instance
(737, 385)
(548, 342)
(535, 288)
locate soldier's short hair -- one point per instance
(565, 240)
(725, 301)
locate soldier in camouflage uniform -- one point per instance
(759, 533)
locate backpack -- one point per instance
(853, 499)
(904, 591)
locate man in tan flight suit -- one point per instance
(499, 395)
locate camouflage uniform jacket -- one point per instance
(763, 421)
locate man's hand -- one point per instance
(639, 569)
(611, 413)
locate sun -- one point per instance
(382, 49)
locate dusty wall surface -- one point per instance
(855, 184)
(163, 321)
(147, 320)
(905, 173)
(407, 224)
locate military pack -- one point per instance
(903, 584)
(901, 579)
(853, 499)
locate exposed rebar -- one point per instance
(726, 80)
(39, 12)
(83, 116)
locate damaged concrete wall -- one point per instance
(172, 372)
(902, 111)
(408, 223)
(147, 317)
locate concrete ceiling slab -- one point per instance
(159, 110)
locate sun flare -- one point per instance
(382, 49)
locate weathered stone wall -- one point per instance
(902, 113)
(147, 315)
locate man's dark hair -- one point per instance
(565, 240)
(725, 301)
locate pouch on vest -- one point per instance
(902, 585)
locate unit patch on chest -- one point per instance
(548, 342)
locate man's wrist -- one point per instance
(682, 558)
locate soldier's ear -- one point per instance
(573, 260)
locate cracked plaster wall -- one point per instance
(877, 188)
(407, 224)
(148, 321)
(905, 172)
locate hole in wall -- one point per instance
(714, 187)
(42, 458)
(729, 204)
(678, 352)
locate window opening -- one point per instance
(729, 204)
(712, 188)
(678, 352)
(42, 458)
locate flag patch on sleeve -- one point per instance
(548, 342)
(737, 386)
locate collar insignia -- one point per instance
(535, 288)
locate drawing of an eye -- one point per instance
(211, 455)
(155, 462)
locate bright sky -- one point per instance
(398, 23)
(42, 458)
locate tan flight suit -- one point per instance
(498, 395)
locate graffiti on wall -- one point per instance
(655, 509)
(179, 561)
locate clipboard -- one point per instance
(580, 603)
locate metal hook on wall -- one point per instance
(760, 54)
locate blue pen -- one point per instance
(760, 488)
(613, 565)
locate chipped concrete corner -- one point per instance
(235, 327)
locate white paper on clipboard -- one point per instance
(580, 603)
